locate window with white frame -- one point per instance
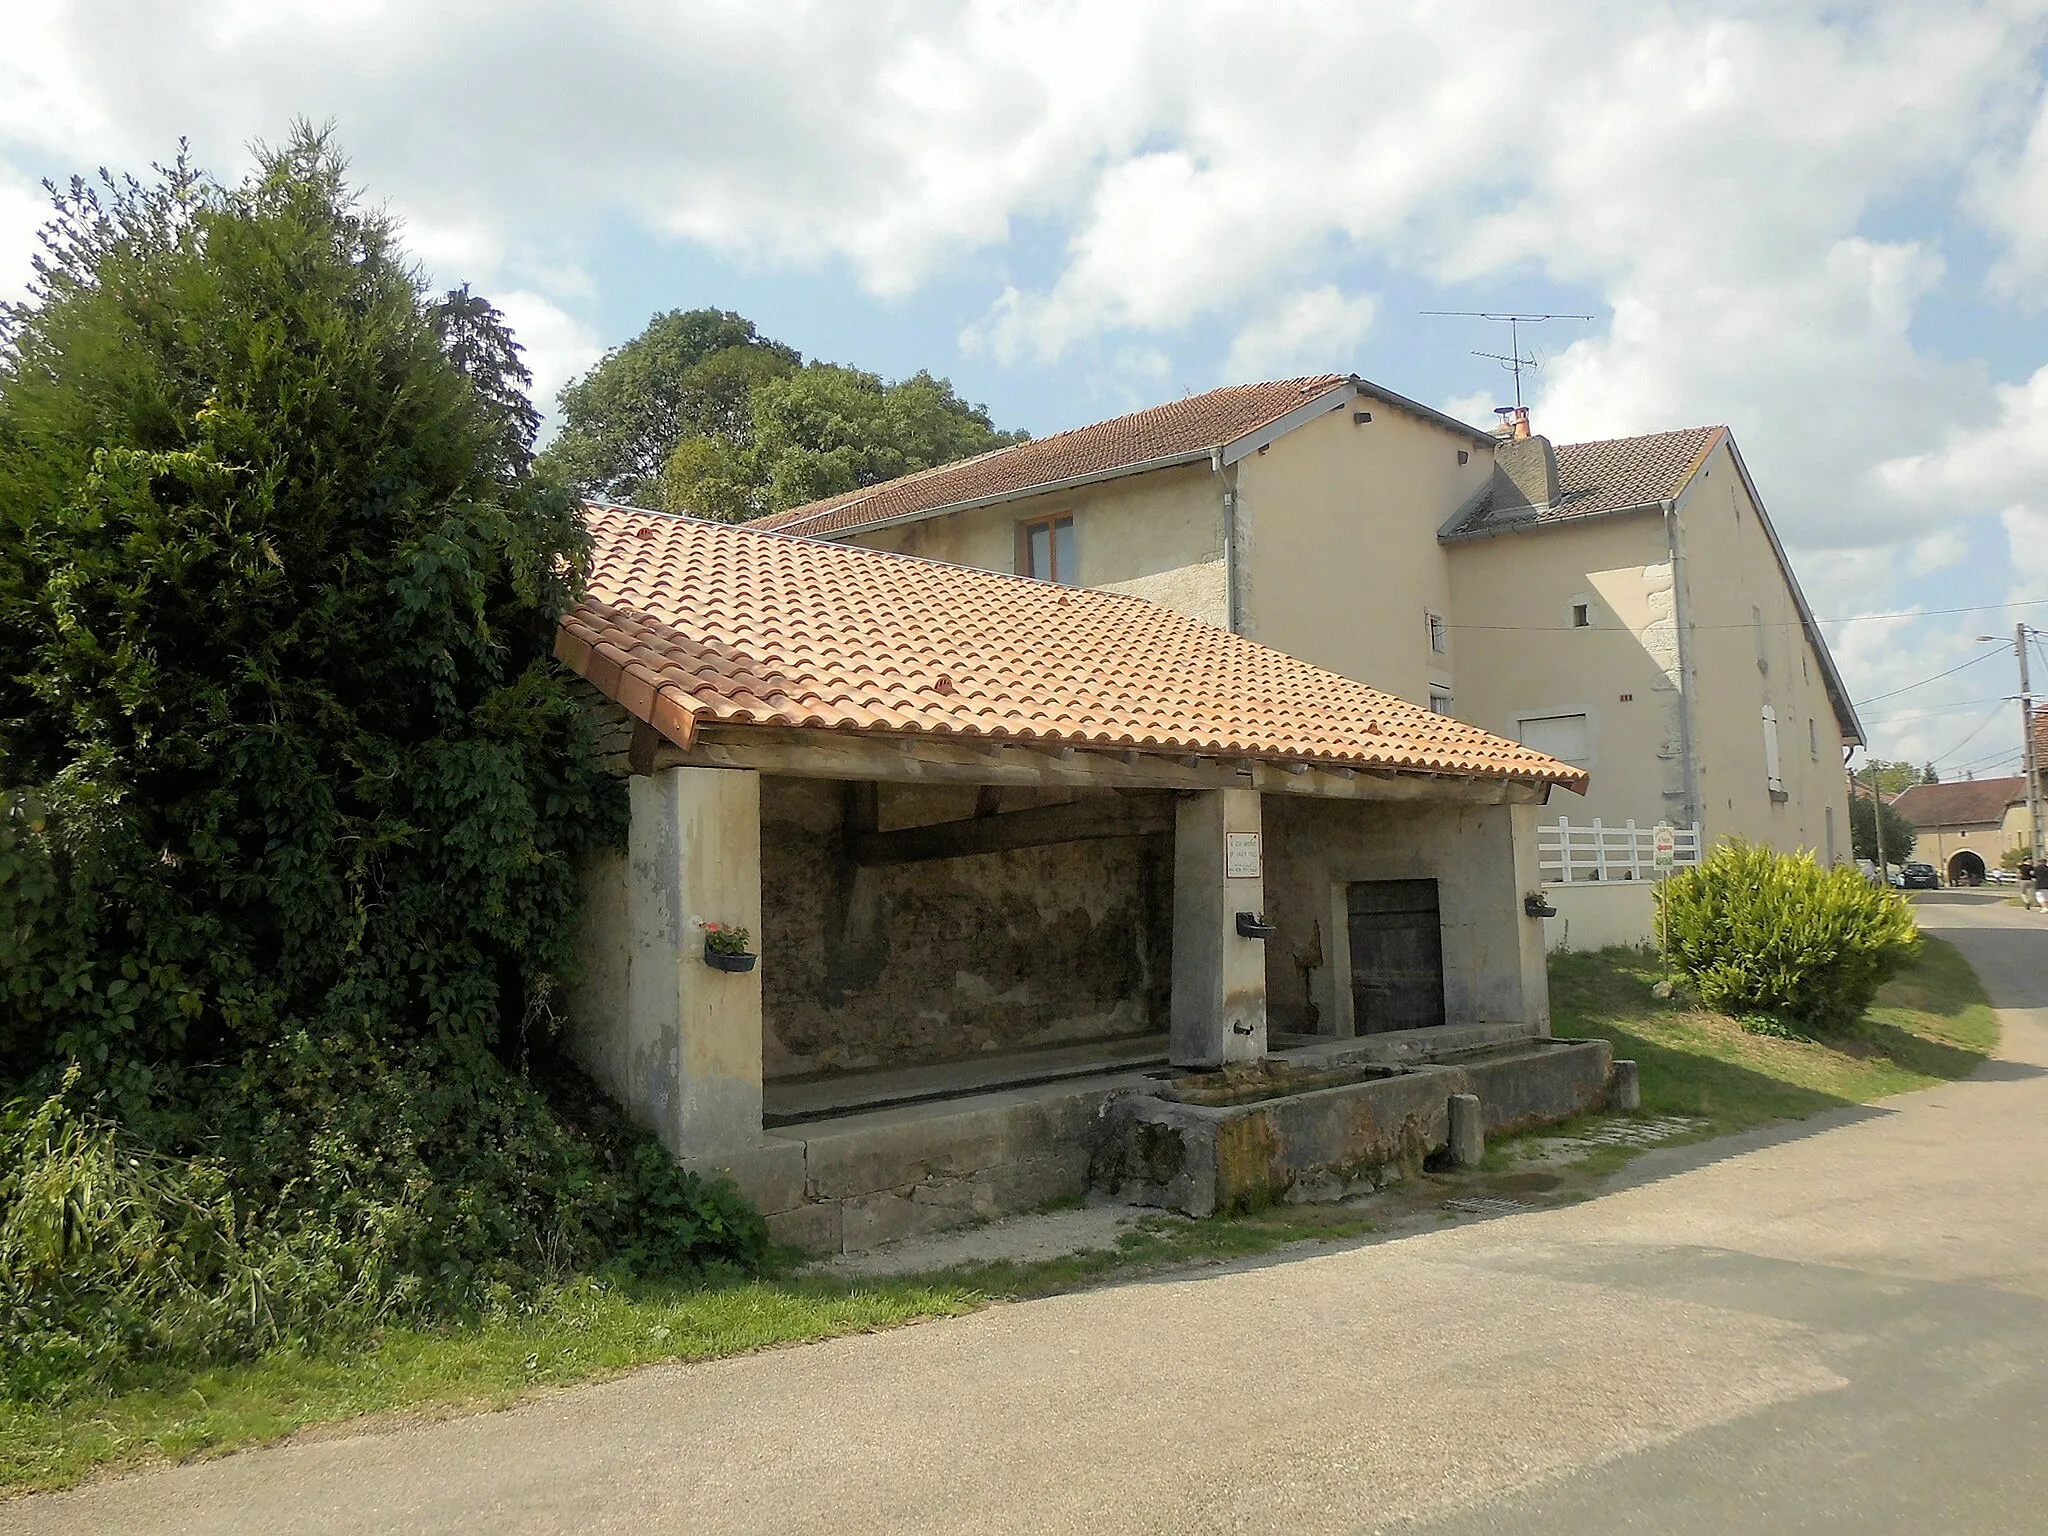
(1439, 635)
(1439, 700)
(1582, 613)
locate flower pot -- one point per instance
(719, 961)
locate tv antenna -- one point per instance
(1512, 360)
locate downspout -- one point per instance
(1688, 730)
(1233, 607)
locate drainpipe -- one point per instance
(1688, 730)
(1227, 473)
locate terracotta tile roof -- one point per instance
(688, 623)
(1189, 428)
(1610, 475)
(1964, 803)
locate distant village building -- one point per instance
(1965, 829)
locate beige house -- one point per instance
(1965, 829)
(1624, 605)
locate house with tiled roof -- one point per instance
(1966, 828)
(1626, 605)
(949, 892)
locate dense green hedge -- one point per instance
(1760, 932)
(290, 796)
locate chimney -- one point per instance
(1524, 468)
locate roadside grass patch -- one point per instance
(1932, 1023)
(586, 1330)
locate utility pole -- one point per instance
(2030, 755)
(1884, 870)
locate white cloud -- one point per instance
(558, 346)
(23, 209)
(1941, 549)
(1311, 332)
(1707, 173)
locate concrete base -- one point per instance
(1601, 914)
(857, 1181)
(1625, 1089)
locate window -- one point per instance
(1756, 629)
(1832, 857)
(1582, 615)
(1568, 738)
(1439, 701)
(1774, 771)
(1045, 549)
(1439, 635)
(1813, 739)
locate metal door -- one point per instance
(1397, 955)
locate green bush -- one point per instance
(292, 795)
(1760, 932)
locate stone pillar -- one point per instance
(1219, 979)
(690, 1062)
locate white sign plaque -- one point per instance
(1665, 847)
(1241, 856)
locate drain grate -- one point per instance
(1487, 1205)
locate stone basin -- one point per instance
(1325, 1129)
(1257, 1081)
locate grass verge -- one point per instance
(1933, 1024)
(582, 1331)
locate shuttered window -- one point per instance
(1774, 770)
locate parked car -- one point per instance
(1919, 877)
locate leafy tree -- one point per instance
(1892, 778)
(1929, 776)
(290, 790)
(691, 373)
(699, 413)
(1899, 833)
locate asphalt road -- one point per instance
(1841, 1327)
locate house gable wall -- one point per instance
(1339, 559)
(1733, 578)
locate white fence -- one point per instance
(1572, 852)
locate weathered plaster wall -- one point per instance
(1339, 562)
(1520, 656)
(1732, 580)
(1493, 953)
(1158, 536)
(916, 963)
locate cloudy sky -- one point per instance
(1824, 224)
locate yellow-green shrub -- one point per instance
(1763, 932)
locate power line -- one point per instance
(1937, 709)
(1952, 751)
(1951, 672)
(1853, 618)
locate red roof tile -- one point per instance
(688, 623)
(1190, 427)
(1966, 802)
(1609, 475)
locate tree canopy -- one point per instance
(701, 414)
(290, 789)
(1899, 833)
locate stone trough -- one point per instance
(1329, 1126)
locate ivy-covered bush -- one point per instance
(1763, 933)
(290, 794)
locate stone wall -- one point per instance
(1482, 863)
(910, 964)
